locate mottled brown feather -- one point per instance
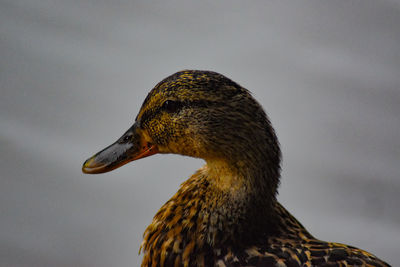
(226, 214)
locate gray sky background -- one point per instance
(73, 75)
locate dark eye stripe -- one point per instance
(175, 107)
(171, 106)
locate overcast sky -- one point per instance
(73, 75)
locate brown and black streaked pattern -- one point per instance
(226, 214)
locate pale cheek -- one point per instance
(159, 132)
(194, 141)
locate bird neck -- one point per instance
(246, 161)
(225, 176)
(252, 174)
(218, 207)
(243, 199)
(239, 180)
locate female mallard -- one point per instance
(226, 214)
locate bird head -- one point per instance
(200, 114)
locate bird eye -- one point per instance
(171, 106)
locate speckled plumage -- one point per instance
(226, 214)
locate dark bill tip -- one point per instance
(116, 156)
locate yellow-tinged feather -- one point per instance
(226, 213)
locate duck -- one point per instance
(227, 212)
